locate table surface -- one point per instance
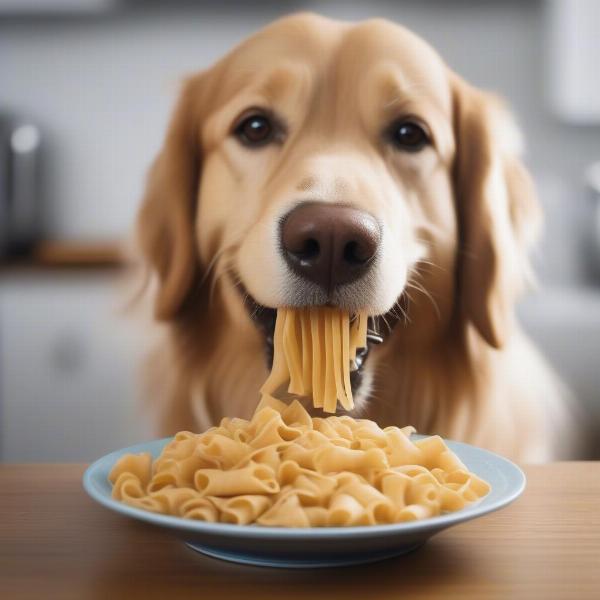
(55, 542)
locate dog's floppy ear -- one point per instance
(165, 225)
(497, 211)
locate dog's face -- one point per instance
(337, 117)
(329, 163)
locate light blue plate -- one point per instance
(318, 547)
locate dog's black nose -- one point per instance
(329, 244)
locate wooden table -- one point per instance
(55, 542)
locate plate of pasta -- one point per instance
(286, 489)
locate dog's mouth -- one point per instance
(378, 328)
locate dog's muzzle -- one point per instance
(332, 250)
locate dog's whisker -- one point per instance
(424, 262)
(389, 328)
(420, 266)
(419, 288)
(403, 316)
(221, 268)
(211, 265)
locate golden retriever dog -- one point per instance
(329, 163)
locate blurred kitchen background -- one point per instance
(86, 87)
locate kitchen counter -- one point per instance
(58, 254)
(55, 542)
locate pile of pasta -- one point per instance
(284, 468)
(313, 349)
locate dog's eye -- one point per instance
(409, 135)
(255, 130)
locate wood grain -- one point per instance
(79, 254)
(55, 542)
(63, 255)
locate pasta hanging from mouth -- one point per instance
(313, 350)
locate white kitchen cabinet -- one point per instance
(68, 363)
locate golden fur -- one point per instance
(460, 217)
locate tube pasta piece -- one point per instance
(267, 401)
(295, 415)
(172, 499)
(160, 481)
(399, 449)
(172, 473)
(341, 429)
(325, 427)
(380, 512)
(342, 442)
(127, 487)
(344, 510)
(253, 479)
(436, 454)
(426, 494)
(321, 486)
(334, 459)
(312, 439)
(145, 503)
(268, 455)
(317, 516)
(181, 448)
(414, 512)
(274, 432)
(226, 451)
(364, 444)
(287, 512)
(138, 465)
(394, 486)
(269, 424)
(451, 500)
(412, 470)
(467, 482)
(370, 431)
(313, 492)
(199, 508)
(242, 510)
(283, 468)
(236, 429)
(303, 456)
(364, 493)
(263, 417)
(346, 477)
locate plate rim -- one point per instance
(258, 531)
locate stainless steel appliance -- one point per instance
(592, 178)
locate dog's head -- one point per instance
(341, 164)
